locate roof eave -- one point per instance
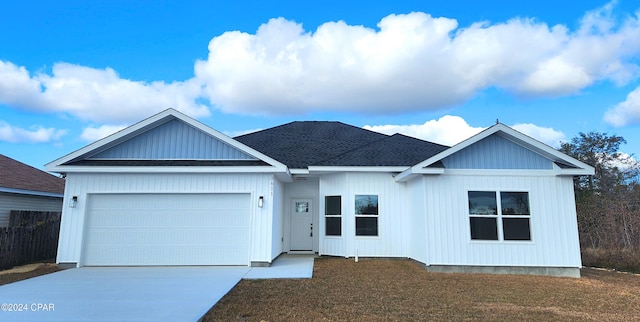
(169, 169)
(31, 192)
(57, 165)
(333, 169)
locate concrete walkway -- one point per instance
(134, 293)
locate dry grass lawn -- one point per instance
(402, 290)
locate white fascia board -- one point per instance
(512, 172)
(509, 134)
(299, 171)
(329, 169)
(411, 173)
(54, 166)
(171, 169)
(226, 139)
(543, 149)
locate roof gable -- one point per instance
(167, 139)
(173, 140)
(562, 163)
(18, 177)
(496, 152)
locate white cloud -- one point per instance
(35, 134)
(100, 94)
(546, 135)
(450, 130)
(627, 112)
(17, 87)
(412, 62)
(93, 133)
(95, 94)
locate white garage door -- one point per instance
(167, 229)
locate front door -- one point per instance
(301, 225)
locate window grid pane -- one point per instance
(333, 226)
(366, 205)
(483, 228)
(515, 203)
(366, 226)
(516, 228)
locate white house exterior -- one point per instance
(172, 191)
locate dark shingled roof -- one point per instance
(303, 144)
(17, 175)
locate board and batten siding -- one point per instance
(496, 152)
(80, 184)
(173, 140)
(278, 219)
(416, 214)
(554, 231)
(392, 222)
(13, 201)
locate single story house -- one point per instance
(23, 187)
(170, 190)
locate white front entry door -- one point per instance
(301, 225)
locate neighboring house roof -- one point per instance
(303, 144)
(17, 177)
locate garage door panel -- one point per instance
(167, 237)
(169, 219)
(167, 229)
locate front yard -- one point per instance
(402, 290)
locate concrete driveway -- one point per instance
(134, 293)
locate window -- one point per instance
(512, 218)
(333, 215)
(366, 210)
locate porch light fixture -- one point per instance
(260, 201)
(73, 202)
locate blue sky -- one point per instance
(75, 71)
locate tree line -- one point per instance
(608, 203)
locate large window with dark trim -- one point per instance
(510, 221)
(333, 215)
(366, 213)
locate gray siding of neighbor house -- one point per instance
(504, 154)
(12, 201)
(173, 140)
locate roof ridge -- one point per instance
(415, 138)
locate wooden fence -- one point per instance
(32, 237)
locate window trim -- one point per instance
(499, 216)
(376, 216)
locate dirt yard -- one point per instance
(27, 271)
(373, 290)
